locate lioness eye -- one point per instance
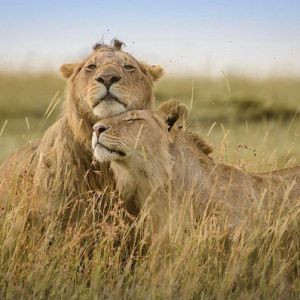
(91, 67)
(134, 119)
(129, 67)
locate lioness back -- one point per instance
(179, 164)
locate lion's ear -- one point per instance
(174, 114)
(156, 72)
(67, 69)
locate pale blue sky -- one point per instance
(256, 37)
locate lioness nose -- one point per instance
(98, 129)
(108, 79)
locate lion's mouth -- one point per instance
(120, 153)
(107, 98)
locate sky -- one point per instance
(257, 37)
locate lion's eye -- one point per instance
(129, 67)
(91, 67)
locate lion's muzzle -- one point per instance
(108, 79)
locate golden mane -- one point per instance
(59, 169)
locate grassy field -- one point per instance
(249, 113)
(252, 123)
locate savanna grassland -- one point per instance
(252, 123)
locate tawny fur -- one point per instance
(59, 167)
(162, 166)
(174, 110)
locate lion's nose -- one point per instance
(98, 129)
(108, 79)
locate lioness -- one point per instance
(59, 166)
(153, 161)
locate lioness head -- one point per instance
(110, 81)
(136, 135)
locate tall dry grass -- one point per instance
(189, 259)
(253, 124)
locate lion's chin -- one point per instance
(106, 109)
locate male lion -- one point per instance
(154, 161)
(59, 167)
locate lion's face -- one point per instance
(110, 81)
(131, 137)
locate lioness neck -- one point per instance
(136, 181)
(183, 172)
(191, 171)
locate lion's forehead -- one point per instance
(114, 57)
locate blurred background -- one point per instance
(236, 64)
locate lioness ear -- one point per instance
(67, 69)
(174, 113)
